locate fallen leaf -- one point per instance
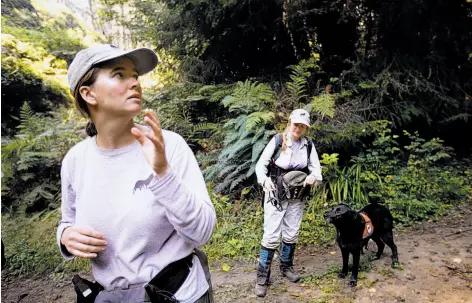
(332, 252)
(225, 267)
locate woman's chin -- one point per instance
(134, 110)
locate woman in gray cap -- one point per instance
(284, 154)
(134, 200)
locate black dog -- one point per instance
(353, 233)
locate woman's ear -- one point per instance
(88, 95)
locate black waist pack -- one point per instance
(86, 291)
(161, 288)
(169, 280)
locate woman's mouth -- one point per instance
(135, 97)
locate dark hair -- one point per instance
(88, 79)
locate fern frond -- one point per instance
(323, 105)
(258, 134)
(257, 150)
(249, 97)
(228, 169)
(258, 118)
(251, 170)
(237, 149)
(269, 133)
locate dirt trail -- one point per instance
(436, 259)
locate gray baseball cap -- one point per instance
(145, 60)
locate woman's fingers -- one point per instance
(90, 240)
(152, 115)
(156, 135)
(88, 248)
(152, 120)
(90, 232)
(309, 180)
(85, 242)
(138, 135)
(82, 254)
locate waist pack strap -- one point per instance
(163, 286)
(173, 276)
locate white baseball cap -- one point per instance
(300, 116)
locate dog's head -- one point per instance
(338, 213)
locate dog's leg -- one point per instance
(356, 255)
(380, 248)
(364, 244)
(345, 253)
(388, 239)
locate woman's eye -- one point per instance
(136, 77)
(120, 75)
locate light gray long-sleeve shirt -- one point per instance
(147, 221)
(295, 156)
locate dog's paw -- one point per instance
(397, 265)
(352, 282)
(374, 258)
(341, 275)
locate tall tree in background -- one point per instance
(218, 41)
(405, 61)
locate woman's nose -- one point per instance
(134, 83)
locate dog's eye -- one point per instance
(337, 210)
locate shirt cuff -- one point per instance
(317, 177)
(65, 254)
(165, 186)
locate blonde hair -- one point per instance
(285, 135)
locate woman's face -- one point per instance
(297, 130)
(117, 90)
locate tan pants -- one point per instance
(285, 223)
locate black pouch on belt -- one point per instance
(86, 291)
(168, 281)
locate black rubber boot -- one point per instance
(263, 271)
(286, 262)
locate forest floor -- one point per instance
(436, 258)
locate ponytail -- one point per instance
(90, 129)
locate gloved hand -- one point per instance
(268, 185)
(310, 180)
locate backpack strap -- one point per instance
(273, 170)
(278, 147)
(309, 148)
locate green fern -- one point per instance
(259, 118)
(323, 105)
(246, 135)
(297, 87)
(31, 161)
(249, 97)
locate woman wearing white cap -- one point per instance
(134, 200)
(286, 152)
